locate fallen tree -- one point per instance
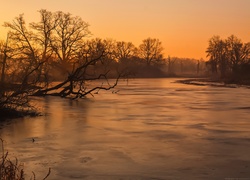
(53, 57)
(75, 84)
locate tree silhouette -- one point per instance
(124, 51)
(151, 50)
(237, 53)
(38, 52)
(229, 55)
(3, 52)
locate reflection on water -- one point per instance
(150, 129)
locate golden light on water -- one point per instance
(153, 128)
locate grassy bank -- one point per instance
(13, 169)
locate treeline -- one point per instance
(58, 48)
(229, 59)
(59, 43)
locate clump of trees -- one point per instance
(56, 56)
(229, 58)
(53, 49)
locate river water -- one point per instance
(145, 129)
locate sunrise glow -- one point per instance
(183, 26)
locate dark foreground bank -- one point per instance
(10, 113)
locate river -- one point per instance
(144, 129)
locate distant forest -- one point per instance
(59, 49)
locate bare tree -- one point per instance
(80, 60)
(57, 41)
(22, 67)
(42, 35)
(3, 57)
(24, 53)
(237, 52)
(217, 51)
(151, 50)
(68, 37)
(170, 64)
(124, 51)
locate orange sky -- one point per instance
(183, 26)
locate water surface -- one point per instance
(145, 129)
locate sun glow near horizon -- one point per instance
(183, 26)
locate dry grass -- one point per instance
(13, 170)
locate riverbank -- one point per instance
(9, 113)
(215, 82)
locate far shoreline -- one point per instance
(215, 82)
(9, 113)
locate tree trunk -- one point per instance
(4, 62)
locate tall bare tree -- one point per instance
(3, 58)
(238, 52)
(124, 51)
(68, 37)
(151, 50)
(217, 52)
(24, 51)
(42, 35)
(58, 39)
